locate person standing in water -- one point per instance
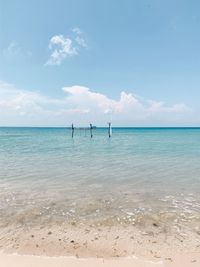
(72, 130)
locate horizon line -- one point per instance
(69, 127)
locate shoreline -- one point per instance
(136, 200)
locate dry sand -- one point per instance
(106, 247)
(14, 260)
(104, 242)
(41, 261)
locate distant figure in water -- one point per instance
(91, 130)
(72, 130)
(109, 130)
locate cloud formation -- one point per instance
(127, 110)
(15, 50)
(82, 106)
(12, 49)
(62, 47)
(79, 37)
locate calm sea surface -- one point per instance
(45, 175)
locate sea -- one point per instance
(136, 176)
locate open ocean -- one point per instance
(137, 175)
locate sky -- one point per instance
(136, 63)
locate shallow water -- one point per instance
(139, 176)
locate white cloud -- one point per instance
(82, 106)
(12, 50)
(15, 50)
(79, 37)
(80, 41)
(77, 30)
(63, 47)
(128, 109)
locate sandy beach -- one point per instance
(14, 260)
(112, 246)
(41, 261)
(99, 133)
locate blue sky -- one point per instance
(138, 61)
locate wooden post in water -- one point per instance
(72, 130)
(109, 129)
(91, 135)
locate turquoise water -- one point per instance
(138, 174)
